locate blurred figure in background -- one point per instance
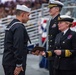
(36, 5)
(2, 11)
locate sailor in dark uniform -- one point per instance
(64, 48)
(15, 43)
(54, 10)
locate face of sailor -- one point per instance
(25, 17)
(53, 11)
(63, 25)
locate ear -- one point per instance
(22, 14)
(67, 25)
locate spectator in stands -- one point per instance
(2, 11)
(45, 1)
(15, 44)
(9, 9)
(37, 5)
(28, 3)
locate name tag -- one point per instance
(54, 25)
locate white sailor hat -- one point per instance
(23, 8)
(55, 4)
(65, 18)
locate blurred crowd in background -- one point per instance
(8, 8)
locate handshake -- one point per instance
(37, 50)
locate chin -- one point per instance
(24, 21)
(60, 29)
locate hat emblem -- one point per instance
(59, 18)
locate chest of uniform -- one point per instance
(53, 25)
(65, 42)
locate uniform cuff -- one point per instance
(68, 53)
(48, 54)
(18, 65)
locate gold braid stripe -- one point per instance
(51, 6)
(68, 53)
(49, 53)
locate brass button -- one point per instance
(51, 35)
(50, 45)
(50, 40)
(60, 47)
(63, 42)
(56, 47)
(55, 56)
(55, 42)
(59, 57)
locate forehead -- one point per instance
(62, 22)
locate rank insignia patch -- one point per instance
(54, 25)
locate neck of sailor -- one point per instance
(19, 18)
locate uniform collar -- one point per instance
(56, 16)
(64, 32)
(16, 20)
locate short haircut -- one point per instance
(60, 8)
(70, 23)
(18, 12)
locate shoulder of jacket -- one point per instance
(15, 25)
(73, 32)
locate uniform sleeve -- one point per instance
(50, 53)
(18, 44)
(70, 52)
(73, 52)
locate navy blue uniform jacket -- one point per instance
(15, 44)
